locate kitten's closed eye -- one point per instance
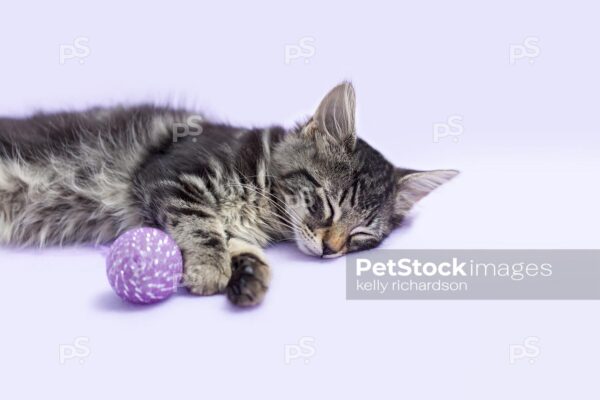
(362, 239)
(361, 234)
(362, 243)
(313, 197)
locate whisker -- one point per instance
(291, 223)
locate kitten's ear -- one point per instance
(412, 186)
(335, 116)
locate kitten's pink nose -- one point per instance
(327, 251)
(333, 240)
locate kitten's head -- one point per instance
(340, 194)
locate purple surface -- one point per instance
(144, 265)
(529, 162)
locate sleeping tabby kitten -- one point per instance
(222, 194)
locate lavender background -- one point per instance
(529, 153)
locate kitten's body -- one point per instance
(222, 192)
(66, 178)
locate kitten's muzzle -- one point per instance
(333, 241)
(327, 251)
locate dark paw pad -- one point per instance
(249, 280)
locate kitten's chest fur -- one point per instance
(254, 224)
(227, 168)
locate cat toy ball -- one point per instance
(144, 265)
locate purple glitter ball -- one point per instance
(144, 265)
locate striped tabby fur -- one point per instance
(223, 194)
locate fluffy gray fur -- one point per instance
(222, 194)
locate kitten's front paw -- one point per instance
(205, 280)
(249, 280)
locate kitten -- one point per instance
(222, 194)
